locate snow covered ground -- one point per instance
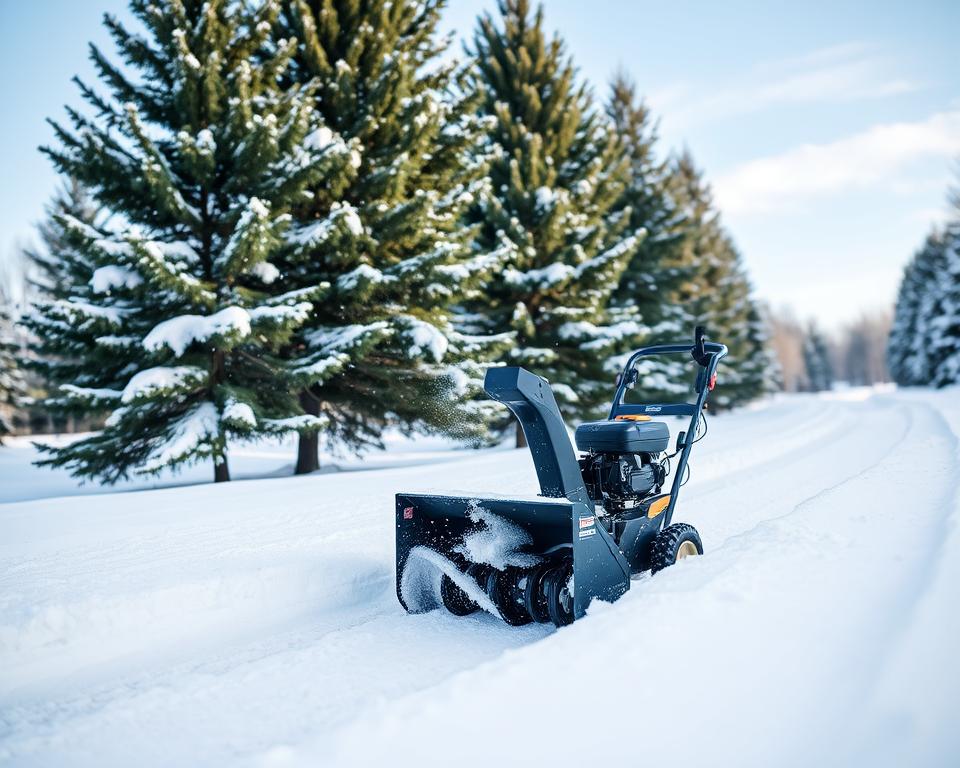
(255, 623)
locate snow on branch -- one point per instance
(81, 310)
(200, 425)
(551, 276)
(345, 337)
(105, 279)
(302, 423)
(153, 381)
(238, 414)
(97, 396)
(342, 216)
(424, 338)
(178, 333)
(592, 337)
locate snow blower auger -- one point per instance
(598, 521)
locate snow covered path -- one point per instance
(256, 624)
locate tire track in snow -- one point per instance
(894, 445)
(899, 670)
(738, 501)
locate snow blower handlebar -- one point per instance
(707, 355)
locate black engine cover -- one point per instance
(620, 476)
(622, 437)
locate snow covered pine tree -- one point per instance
(712, 289)
(946, 326)
(924, 345)
(555, 177)
(57, 266)
(648, 287)
(816, 359)
(910, 351)
(176, 328)
(386, 230)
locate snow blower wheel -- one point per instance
(455, 599)
(605, 511)
(503, 590)
(534, 598)
(558, 597)
(674, 543)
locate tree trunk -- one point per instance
(221, 471)
(308, 448)
(521, 437)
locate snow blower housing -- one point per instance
(599, 519)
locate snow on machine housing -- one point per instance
(598, 520)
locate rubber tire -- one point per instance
(664, 547)
(498, 590)
(455, 599)
(534, 597)
(553, 585)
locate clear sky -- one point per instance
(829, 130)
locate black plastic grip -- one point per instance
(698, 352)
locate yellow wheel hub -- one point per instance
(686, 549)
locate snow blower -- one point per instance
(598, 520)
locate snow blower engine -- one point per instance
(598, 520)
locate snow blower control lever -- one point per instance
(599, 518)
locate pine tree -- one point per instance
(557, 174)
(175, 322)
(708, 285)
(751, 368)
(655, 272)
(12, 382)
(57, 265)
(913, 335)
(945, 344)
(816, 358)
(387, 231)
(904, 322)
(762, 374)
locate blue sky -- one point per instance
(829, 130)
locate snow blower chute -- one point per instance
(599, 519)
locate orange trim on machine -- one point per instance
(632, 417)
(658, 506)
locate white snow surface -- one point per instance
(255, 623)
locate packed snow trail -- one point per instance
(256, 622)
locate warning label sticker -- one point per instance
(586, 522)
(587, 527)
